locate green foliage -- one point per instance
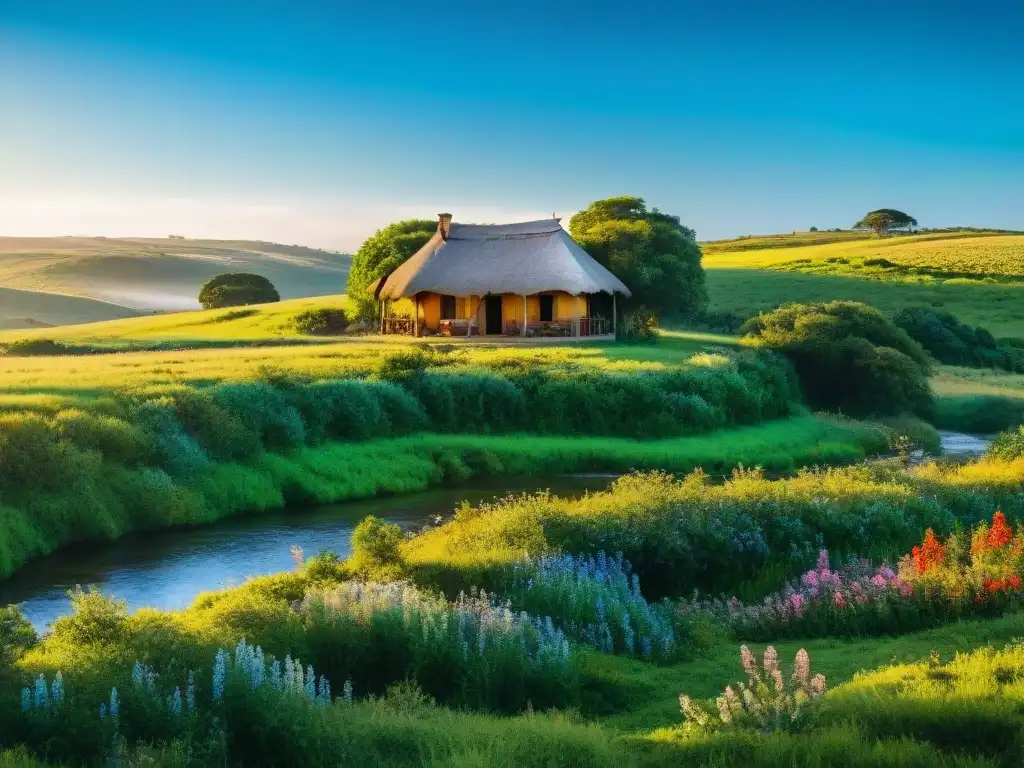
(39, 347)
(376, 549)
(885, 219)
(954, 343)
(235, 289)
(1008, 444)
(324, 321)
(651, 252)
(380, 255)
(849, 357)
(16, 637)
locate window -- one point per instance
(448, 308)
(547, 308)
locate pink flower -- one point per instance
(839, 600)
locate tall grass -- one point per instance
(80, 497)
(750, 532)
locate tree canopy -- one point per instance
(885, 219)
(849, 357)
(378, 256)
(651, 252)
(237, 289)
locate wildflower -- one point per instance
(1000, 534)
(692, 711)
(26, 699)
(57, 688)
(103, 709)
(115, 705)
(930, 553)
(190, 692)
(839, 600)
(176, 701)
(346, 692)
(749, 665)
(817, 685)
(323, 690)
(802, 670)
(219, 672)
(42, 694)
(310, 683)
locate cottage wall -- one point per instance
(566, 307)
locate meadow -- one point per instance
(565, 659)
(533, 630)
(977, 277)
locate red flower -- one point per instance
(1015, 582)
(930, 553)
(1000, 534)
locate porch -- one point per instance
(551, 315)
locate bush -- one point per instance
(323, 321)
(376, 549)
(954, 343)
(1008, 445)
(237, 289)
(849, 357)
(39, 348)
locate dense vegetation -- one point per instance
(651, 252)
(849, 357)
(334, 669)
(155, 455)
(380, 255)
(955, 343)
(236, 289)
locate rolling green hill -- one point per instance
(33, 309)
(150, 274)
(979, 277)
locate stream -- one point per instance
(166, 569)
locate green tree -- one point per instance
(885, 219)
(379, 256)
(849, 357)
(651, 252)
(237, 289)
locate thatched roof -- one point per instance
(477, 259)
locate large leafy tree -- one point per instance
(885, 219)
(380, 255)
(651, 252)
(237, 289)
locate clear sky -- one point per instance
(317, 122)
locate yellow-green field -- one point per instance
(34, 309)
(979, 278)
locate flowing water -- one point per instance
(166, 569)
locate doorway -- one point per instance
(492, 313)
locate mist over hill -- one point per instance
(128, 276)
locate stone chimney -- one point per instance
(444, 224)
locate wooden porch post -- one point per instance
(615, 317)
(523, 331)
(382, 301)
(416, 317)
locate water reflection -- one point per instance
(167, 569)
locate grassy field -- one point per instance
(158, 274)
(979, 278)
(37, 310)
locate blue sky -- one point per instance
(316, 123)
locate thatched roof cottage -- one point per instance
(526, 279)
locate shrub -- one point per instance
(16, 636)
(322, 321)
(848, 357)
(376, 549)
(39, 348)
(955, 343)
(1008, 445)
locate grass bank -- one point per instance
(105, 500)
